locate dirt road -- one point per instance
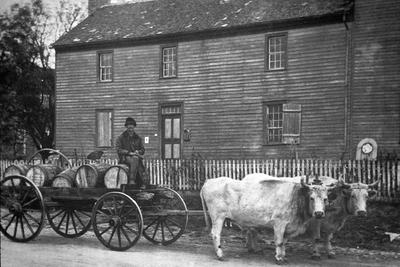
(192, 249)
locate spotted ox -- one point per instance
(261, 201)
(350, 200)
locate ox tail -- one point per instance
(204, 205)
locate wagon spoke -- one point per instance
(125, 234)
(121, 208)
(162, 232)
(115, 206)
(24, 197)
(58, 213)
(79, 219)
(156, 229)
(88, 215)
(4, 197)
(108, 228)
(102, 212)
(174, 222)
(16, 227)
(73, 221)
(30, 202)
(128, 212)
(119, 235)
(27, 223)
(112, 235)
(132, 230)
(150, 224)
(62, 219)
(32, 218)
(67, 223)
(5, 216)
(9, 223)
(22, 227)
(169, 229)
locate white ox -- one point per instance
(350, 199)
(261, 201)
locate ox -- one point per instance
(351, 200)
(261, 201)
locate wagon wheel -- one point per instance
(22, 209)
(117, 221)
(167, 222)
(64, 160)
(69, 222)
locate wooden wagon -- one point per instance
(119, 217)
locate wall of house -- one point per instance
(375, 105)
(222, 83)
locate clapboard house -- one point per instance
(232, 79)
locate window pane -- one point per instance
(167, 127)
(168, 152)
(177, 128)
(177, 151)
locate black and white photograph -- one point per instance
(197, 133)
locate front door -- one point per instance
(171, 131)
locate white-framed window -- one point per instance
(105, 67)
(169, 62)
(276, 51)
(104, 126)
(282, 123)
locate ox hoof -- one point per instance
(316, 256)
(220, 255)
(331, 255)
(280, 260)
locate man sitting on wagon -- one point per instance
(130, 151)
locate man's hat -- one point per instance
(130, 121)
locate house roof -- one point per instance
(152, 19)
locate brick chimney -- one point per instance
(95, 4)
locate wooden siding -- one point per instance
(222, 83)
(375, 95)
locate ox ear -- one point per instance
(332, 195)
(372, 193)
(346, 192)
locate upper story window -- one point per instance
(105, 66)
(282, 123)
(169, 62)
(276, 50)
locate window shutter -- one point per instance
(291, 123)
(104, 128)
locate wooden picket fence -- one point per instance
(190, 174)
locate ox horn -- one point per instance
(303, 184)
(374, 183)
(343, 184)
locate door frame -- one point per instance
(162, 105)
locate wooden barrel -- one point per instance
(116, 175)
(91, 175)
(16, 169)
(43, 174)
(65, 178)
